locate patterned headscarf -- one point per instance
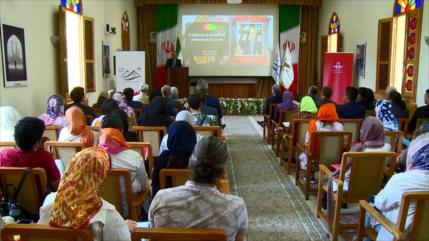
(418, 153)
(308, 105)
(9, 117)
(383, 111)
(77, 125)
(287, 103)
(371, 134)
(78, 200)
(112, 141)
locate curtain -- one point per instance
(147, 24)
(308, 51)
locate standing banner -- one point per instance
(337, 74)
(130, 69)
(290, 16)
(275, 72)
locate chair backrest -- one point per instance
(137, 113)
(420, 222)
(352, 125)
(110, 189)
(178, 234)
(286, 115)
(394, 138)
(39, 232)
(96, 131)
(7, 145)
(51, 132)
(271, 109)
(152, 134)
(299, 130)
(208, 131)
(403, 124)
(369, 113)
(145, 150)
(32, 193)
(65, 151)
(367, 172)
(330, 146)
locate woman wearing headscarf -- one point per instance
(286, 104)
(307, 109)
(181, 142)
(54, 114)
(9, 117)
(414, 179)
(78, 204)
(77, 130)
(383, 112)
(122, 104)
(126, 131)
(113, 142)
(155, 114)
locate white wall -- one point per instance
(359, 24)
(39, 18)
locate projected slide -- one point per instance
(227, 45)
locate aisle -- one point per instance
(276, 208)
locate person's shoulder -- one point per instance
(43, 155)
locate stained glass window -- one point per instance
(403, 6)
(334, 24)
(72, 5)
(125, 24)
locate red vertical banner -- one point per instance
(337, 74)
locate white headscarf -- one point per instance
(185, 115)
(9, 117)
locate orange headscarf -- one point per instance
(78, 200)
(112, 141)
(77, 125)
(327, 113)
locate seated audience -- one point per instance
(351, 110)
(181, 142)
(77, 130)
(313, 92)
(275, 98)
(122, 104)
(142, 96)
(30, 152)
(54, 114)
(198, 203)
(113, 142)
(107, 107)
(383, 112)
(9, 116)
(154, 93)
(203, 87)
(401, 164)
(200, 119)
(155, 114)
(126, 131)
(78, 204)
(307, 109)
(206, 109)
(129, 94)
(286, 104)
(78, 95)
(366, 98)
(173, 105)
(422, 112)
(399, 108)
(101, 98)
(326, 96)
(414, 179)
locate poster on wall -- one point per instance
(105, 50)
(360, 59)
(130, 69)
(337, 74)
(13, 55)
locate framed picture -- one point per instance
(106, 59)
(13, 55)
(360, 59)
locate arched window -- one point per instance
(125, 31)
(333, 33)
(404, 6)
(334, 24)
(72, 5)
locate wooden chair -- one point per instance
(137, 113)
(394, 138)
(352, 125)
(52, 132)
(178, 234)
(299, 128)
(420, 222)
(145, 150)
(33, 190)
(89, 119)
(7, 145)
(96, 130)
(367, 171)
(277, 129)
(152, 134)
(331, 146)
(65, 151)
(110, 190)
(267, 122)
(403, 124)
(208, 131)
(369, 113)
(43, 232)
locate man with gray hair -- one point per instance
(202, 87)
(142, 96)
(198, 203)
(275, 98)
(173, 105)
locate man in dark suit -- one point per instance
(173, 62)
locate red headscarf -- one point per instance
(77, 125)
(327, 113)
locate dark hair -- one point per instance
(397, 99)
(427, 91)
(28, 131)
(77, 94)
(351, 93)
(366, 94)
(124, 117)
(208, 160)
(108, 106)
(203, 96)
(194, 101)
(112, 121)
(327, 91)
(154, 93)
(129, 93)
(313, 90)
(100, 101)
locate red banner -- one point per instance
(337, 74)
